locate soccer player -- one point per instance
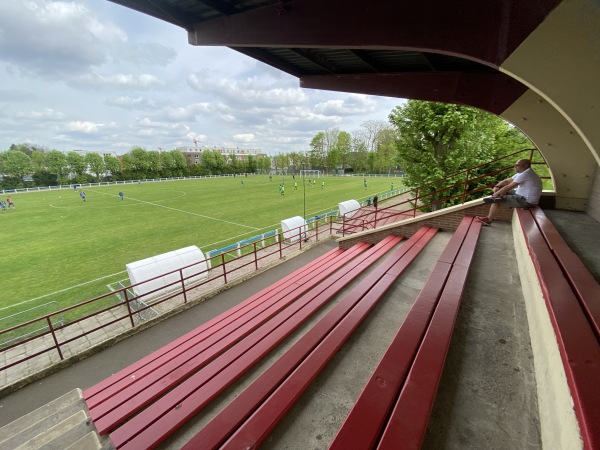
(3, 205)
(282, 189)
(82, 195)
(10, 202)
(322, 184)
(120, 195)
(295, 185)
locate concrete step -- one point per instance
(56, 425)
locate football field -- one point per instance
(59, 250)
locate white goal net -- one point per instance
(310, 173)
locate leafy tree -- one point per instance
(436, 140)
(45, 178)
(136, 163)
(112, 165)
(359, 157)
(180, 162)
(282, 162)
(343, 146)
(96, 164)
(251, 164)
(213, 162)
(38, 159)
(264, 164)
(154, 165)
(15, 163)
(57, 164)
(77, 166)
(318, 152)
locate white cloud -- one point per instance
(245, 138)
(88, 74)
(84, 127)
(46, 114)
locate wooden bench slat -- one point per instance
(583, 283)
(164, 416)
(453, 247)
(142, 398)
(224, 424)
(128, 371)
(256, 429)
(408, 421)
(365, 422)
(201, 338)
(577, 342)
(157, 376)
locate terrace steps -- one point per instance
(61, 424)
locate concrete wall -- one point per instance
(594, 202)
(559, 428)
(446, 219)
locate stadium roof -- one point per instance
(337, 45)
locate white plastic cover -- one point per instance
(293, 227)
(159, 265)
(348, 208)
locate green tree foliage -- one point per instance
(112, 165)
(57, 165)
(77, 167)
(14, 165)
(95, 164)
(436, 140)
(180, 163)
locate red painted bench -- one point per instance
(572, 296)
(109, 395)
(396, 403)
(247, 421)
(157, 420)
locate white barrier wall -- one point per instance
(348, 208)
(292, 228)
(158, 265)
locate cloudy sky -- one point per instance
(92, 75)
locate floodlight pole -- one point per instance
(304, 187)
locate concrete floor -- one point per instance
(487, 395)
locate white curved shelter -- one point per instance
(293, 228)
(348, 208)
(160, 266)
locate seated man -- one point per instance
(527, 194)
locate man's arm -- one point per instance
(504, 187)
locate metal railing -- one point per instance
(55, 336)
(431, 196)
(220, 267)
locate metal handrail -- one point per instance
(275, 248)
(418, 191)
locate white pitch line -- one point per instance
(183, 211)
(62, 290)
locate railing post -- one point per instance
(416, 201)
(343, 225)
(280, 250)
(54, 337)
(182, 286)
(464, 199)
(255, 256)
(128, 307)
(317, 231)
(224, 270)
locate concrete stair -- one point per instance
(63, 423)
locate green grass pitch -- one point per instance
(56, 248)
